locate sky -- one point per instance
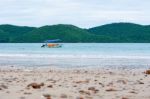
(82, 13)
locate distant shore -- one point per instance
(67, 33)
(53, 83)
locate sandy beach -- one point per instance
(73, 84)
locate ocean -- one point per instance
(76, 55)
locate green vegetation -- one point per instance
(124, 32)
(115, 32)
(10, 33)
(67, 33)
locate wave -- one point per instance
(74, 56)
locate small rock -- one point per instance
(140, 82)
(47, 96)
(147, 72)
(93, 89)
(101, 84)
(79, 82)
(124, 98)
(133, 92)
(111, 89)
(84, 92)
(50, 86)
(36, 85)
(75, 86)
(63, 96)
(42, 84)
(3, 87)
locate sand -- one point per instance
(50, 83)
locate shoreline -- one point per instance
(54, 83)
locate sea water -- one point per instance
(72, 55)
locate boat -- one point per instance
(52, 44)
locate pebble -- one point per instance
(36, 85)
(111, 89)
(79, 97)
(147, 72)
(63, 96)
(47, 96)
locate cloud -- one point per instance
(83, 13)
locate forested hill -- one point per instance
(123, 32)
(115, 32)
(10, 33)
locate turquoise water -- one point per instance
(115, 55)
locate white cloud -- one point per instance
(82, 13)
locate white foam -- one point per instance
(73, 56)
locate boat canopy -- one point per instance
(51, 41)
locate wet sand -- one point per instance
(49, 83)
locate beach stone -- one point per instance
(101, 84)
(74, 85)
(84, 92)
(147, 72)
(133, 92)
(47, 96)
(140, 82)
(63, 96)
(111, 89)
(93, 89)
(42, 84)
(96, 90)
(124, 98)
(36, 85)
(82, 81)
(50, 86)
(145, 75)
(3, 86)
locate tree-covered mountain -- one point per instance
(123, 32)
(115, 32)
(9, 33)
(67, 33)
